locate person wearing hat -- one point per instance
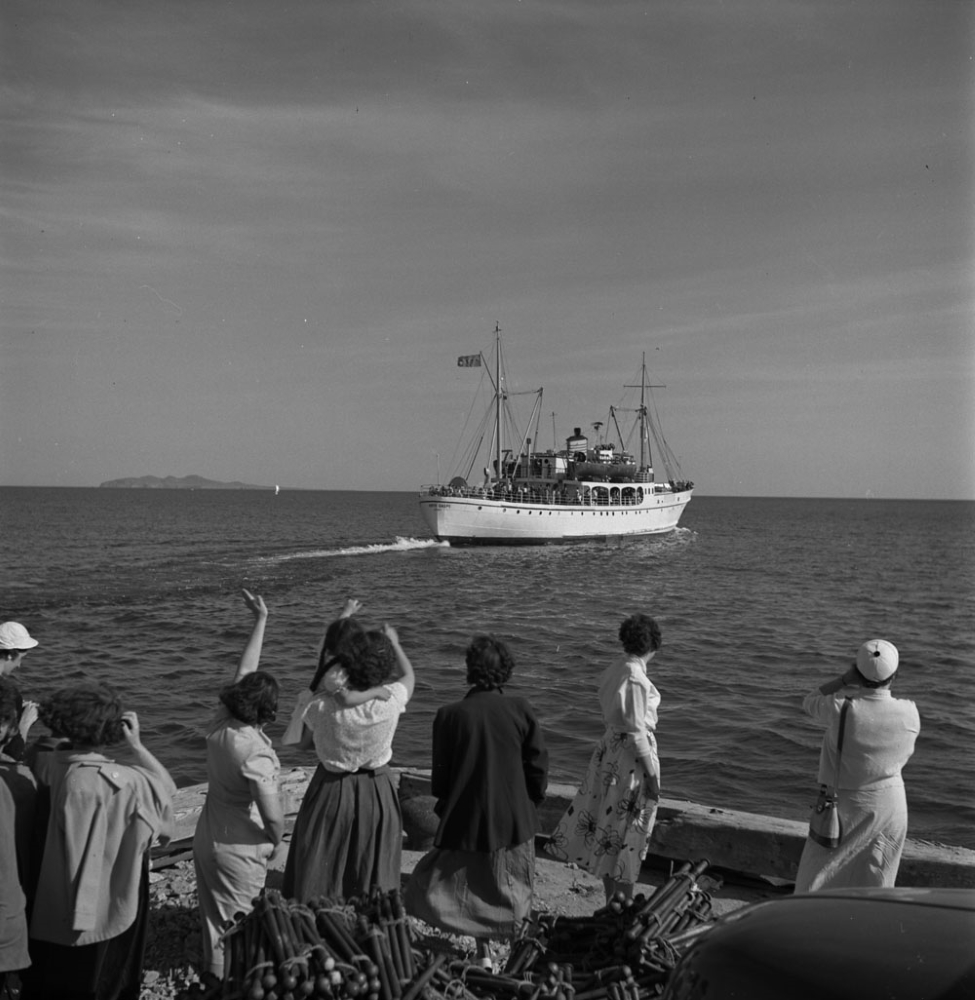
(15, 641)
(878, 740)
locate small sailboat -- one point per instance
(277, 489)
(584, 491)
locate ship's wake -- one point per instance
(399, 545)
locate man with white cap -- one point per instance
(15, 640)
(878, 740)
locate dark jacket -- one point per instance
(490, 770)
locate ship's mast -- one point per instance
(497, 400)
(646, 461)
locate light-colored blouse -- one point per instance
(629, 701)
(237, 755)
(878, 738)
(355, 738)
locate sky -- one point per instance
(248, 239)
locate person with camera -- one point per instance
(879, 733)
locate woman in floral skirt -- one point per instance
(607, 828)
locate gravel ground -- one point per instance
(173, 949)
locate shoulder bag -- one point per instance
(824, 824)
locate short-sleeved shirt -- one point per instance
(629, 701)
(359, 737)
(237, 755)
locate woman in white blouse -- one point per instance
(348, 833)
(607, 828)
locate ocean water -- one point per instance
(760, 601)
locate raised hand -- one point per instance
(255, 604)
(351, 606)
(130, 727)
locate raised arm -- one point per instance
(251, 656)
(406, 676)
(850, 678)
(130, 727)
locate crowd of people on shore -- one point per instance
(78, 824)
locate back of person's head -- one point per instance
(489, 662)
(253, 700)
(88, 714)
(339, 632)
(876, 663)
(368, 659)
(640, 635)
(11, 705)
(338, 635)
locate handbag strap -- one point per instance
(839, 741)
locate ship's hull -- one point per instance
(466, 520)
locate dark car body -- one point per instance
(868, 944)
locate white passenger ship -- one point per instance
(586, 491)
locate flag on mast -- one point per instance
(469, 361)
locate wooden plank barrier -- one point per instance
(749, 843)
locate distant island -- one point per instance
(176, 483)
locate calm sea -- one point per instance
(760, 600)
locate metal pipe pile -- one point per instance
(364, 949)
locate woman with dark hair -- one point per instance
(489, 774)
(241, 826)
(330, 675)
(90, 915)
(348, 833)
(607, 828)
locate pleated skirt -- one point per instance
(483, 894)
(348, 837)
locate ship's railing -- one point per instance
(563, 496)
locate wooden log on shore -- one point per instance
(749, 843)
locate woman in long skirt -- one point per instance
(348, 833)
(489, 774)
(607, 828)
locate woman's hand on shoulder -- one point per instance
(255, 604)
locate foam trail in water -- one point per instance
(400, 545)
